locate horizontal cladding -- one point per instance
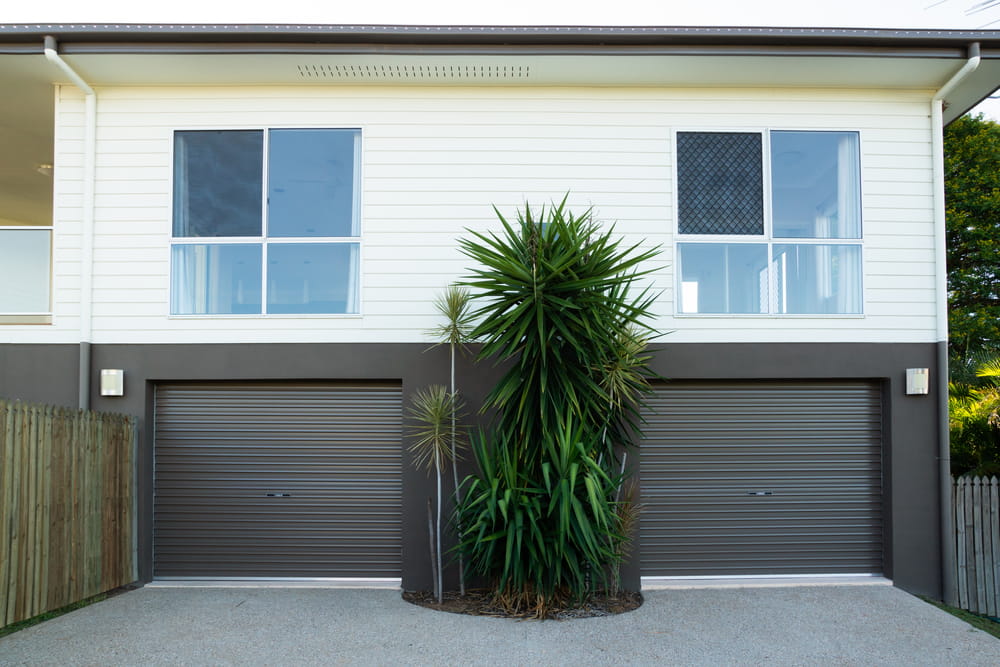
(278, 479)
(435, 161)
(758, 478)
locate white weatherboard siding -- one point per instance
(434, 161)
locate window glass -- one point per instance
(720, 183)
(311, 204)
(815, 185)
(312, 278)
(24, 270)
(215, 279)
(817, 279)
(723, 278)
(218, 183)
(311, 183)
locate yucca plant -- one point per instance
(558, 295)
(561, 306)
(454, 305)
(433, 413)
(541, 539)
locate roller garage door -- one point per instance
(757, 478)
(277, 480)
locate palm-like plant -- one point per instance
(974, 419)
(562, 308)
(433, 412)
(455, 306)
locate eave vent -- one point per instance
(414, 72)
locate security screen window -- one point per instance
(719, 183)
(782, 262)
(294, 251)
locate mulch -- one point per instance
(480, 602)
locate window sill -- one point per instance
(769, 316)
(26, 319)
(271, 316)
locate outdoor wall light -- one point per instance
(112, 382)
(917, 381)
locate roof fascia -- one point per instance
(356, 48)
(496, 35)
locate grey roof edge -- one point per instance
(491, 35)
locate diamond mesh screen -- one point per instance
(719, 183)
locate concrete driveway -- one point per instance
(803, 625)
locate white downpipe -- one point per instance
(87, 233)
(941, 290)
(937, 143)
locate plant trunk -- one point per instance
(618, 492)
(454, 472)
(430, 542)
(439, 588)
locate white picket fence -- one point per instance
(977, 533)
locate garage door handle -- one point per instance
(760, 493)
(279, 495)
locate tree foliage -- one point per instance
(972, 191)
(974, 417)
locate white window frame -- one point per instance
(33, 317)
(264, 240)
(767, 238)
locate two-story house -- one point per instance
(242, 229)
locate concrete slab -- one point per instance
(806, 625)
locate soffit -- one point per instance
(618, 69)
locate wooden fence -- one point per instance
(977, 510)
(66, 507)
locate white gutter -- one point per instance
(87, 249)
(941, 290)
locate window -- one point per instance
(25, 259)
(769, 223)
(265, 222)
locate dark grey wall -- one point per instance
(40, 373)
(910, 467)
(48, 373)
(146, 365)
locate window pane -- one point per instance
(723, 278)
(816, 279)
(311, 183)
(24, 270)
(215, 279)
(312, 278)
(719, 183)
(218, 183)
(816, 185)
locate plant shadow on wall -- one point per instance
(547, 518)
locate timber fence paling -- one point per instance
(977, 540)
(961, 562)
(66, 507)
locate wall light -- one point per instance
(917, 380)
(112, 382)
